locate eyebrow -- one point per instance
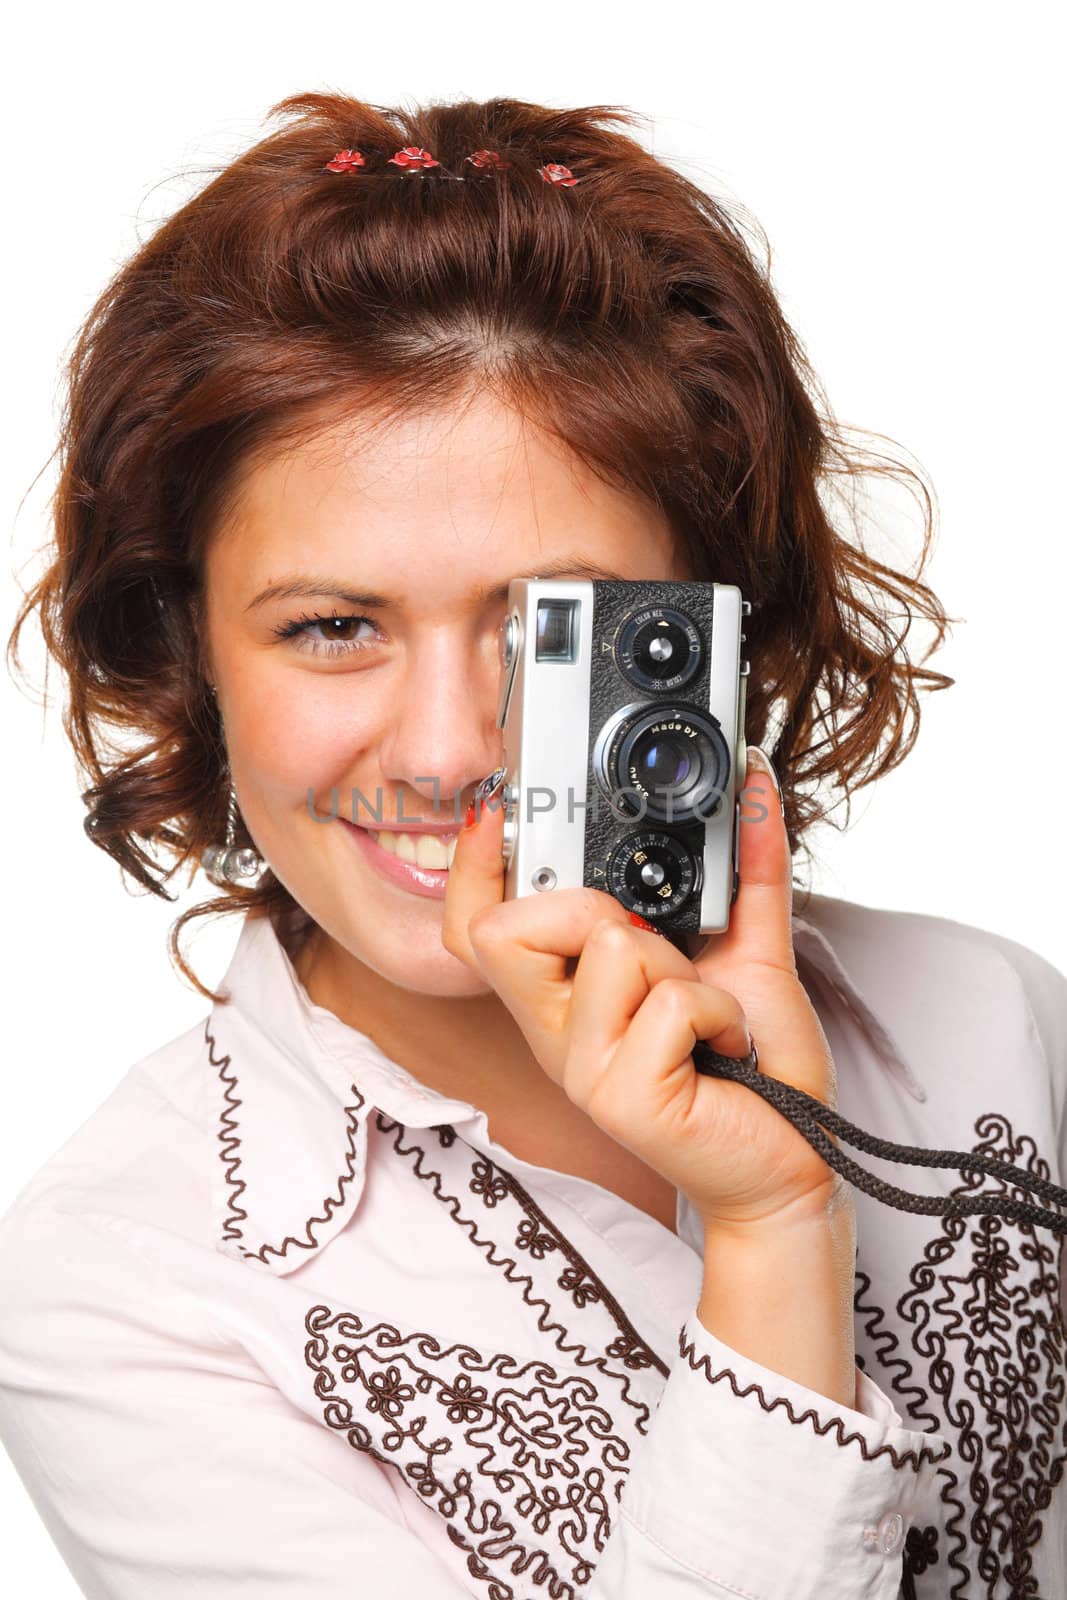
(311, 588)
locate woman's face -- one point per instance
(423, 524)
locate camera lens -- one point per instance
(652, 873)
(658, 647)
(661, 764)
(669, 763)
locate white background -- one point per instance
(907, 166)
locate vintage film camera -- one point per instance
(623, 711)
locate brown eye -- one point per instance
(337, 627)
(338, 636)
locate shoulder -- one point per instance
(922, 951)
(916, 954)
(942, 983)
(96, 1247)
(139, 1153)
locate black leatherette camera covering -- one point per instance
(609, 690)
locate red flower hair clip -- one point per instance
(412, 159)
(554, 173)
(345, 161)
(487, 158)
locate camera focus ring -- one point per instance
(669, 763)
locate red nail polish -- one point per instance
(639, 922)
(470, 819)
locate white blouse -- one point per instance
(280, 1320)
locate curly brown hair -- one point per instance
(630, 314)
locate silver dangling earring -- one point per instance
(227, 863)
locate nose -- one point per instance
(442, 738)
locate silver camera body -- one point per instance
(623, 714)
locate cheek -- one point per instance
(307, 732)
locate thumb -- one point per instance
(476, 876)
(760, 926)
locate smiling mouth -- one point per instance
(432, 852)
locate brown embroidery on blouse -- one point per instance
(920, 1552)
(899, 1458)
(532, 1454)
(498, 1590)
(538, 1236)
(989, 1343)
(229, 1143)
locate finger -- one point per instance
(526, 949)
(617, 967)
(476, 876)
(652, 1069)
(760, 928)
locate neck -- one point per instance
(470, 1047)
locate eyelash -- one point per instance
(299, 629)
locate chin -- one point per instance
(415, 961)
(401, 944)
(392, 932)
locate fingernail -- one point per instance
(488, 786)
(639, 922)
(760, 758)
(483, 795)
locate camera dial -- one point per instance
(652, 873)
(658, 648)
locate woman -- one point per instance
(426, 1263)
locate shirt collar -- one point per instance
(294, 1088)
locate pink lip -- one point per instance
(416, 880)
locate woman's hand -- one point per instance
(616, 1032)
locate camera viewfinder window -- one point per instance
(557, 630)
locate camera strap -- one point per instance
(816, 1121)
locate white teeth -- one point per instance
(431, 851)
(421, 849)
